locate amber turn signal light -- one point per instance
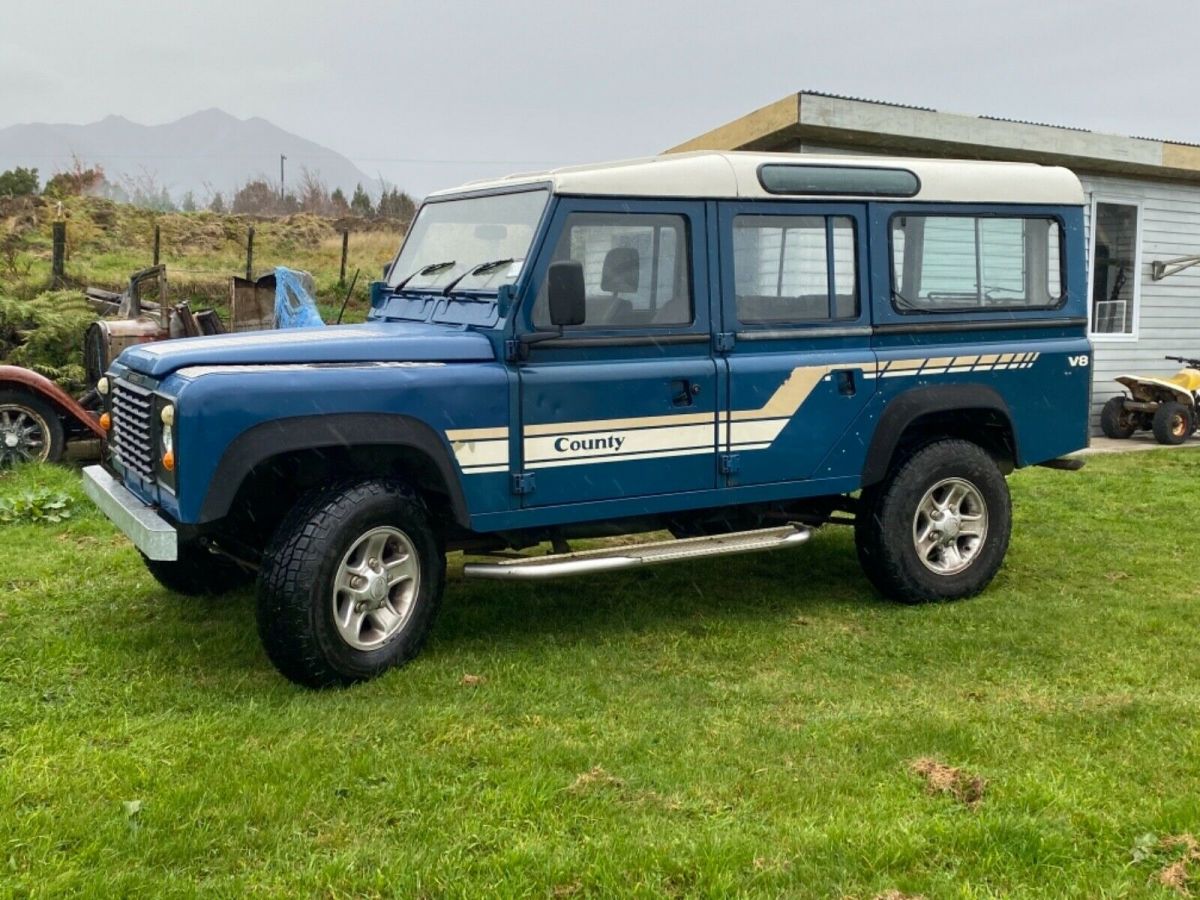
(105, 421)
(168, 461)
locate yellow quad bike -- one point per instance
(1170, 407)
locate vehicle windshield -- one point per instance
(451, 240)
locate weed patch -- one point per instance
(37, 505)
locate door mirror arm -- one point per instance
(567, 301)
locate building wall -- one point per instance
(1168, 314)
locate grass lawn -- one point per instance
(737, 726)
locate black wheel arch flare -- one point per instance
(268, 439)
(918, 402)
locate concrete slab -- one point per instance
(1141, 441)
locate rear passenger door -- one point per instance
(797, 336)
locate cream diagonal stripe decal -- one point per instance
(593, 441)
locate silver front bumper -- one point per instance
(149, 532)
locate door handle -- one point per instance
(845, 382)
(683, 390)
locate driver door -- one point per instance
(624, 405)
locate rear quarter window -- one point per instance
(959, 263)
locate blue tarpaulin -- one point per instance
(294, 303)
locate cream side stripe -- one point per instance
(674, 434)
(647, 440)
(477, 434)
(623, 457)
(481, 453)
(757, 431)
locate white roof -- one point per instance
(710, 173)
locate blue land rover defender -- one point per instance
(733, 348)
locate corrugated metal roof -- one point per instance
(1008, 119)
(867, 100)
(1038, 124)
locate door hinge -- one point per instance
(723, 341)
(731, 463)
(523, 483)
(512, 351)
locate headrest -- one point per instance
(622, 271)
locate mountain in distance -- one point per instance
(204, 152)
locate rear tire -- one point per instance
(350, 584)
(937, 527)
(30, 429)
(1115, 421)
(198, 573)
(1172, 423)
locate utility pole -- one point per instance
(281, 191)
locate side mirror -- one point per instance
(566, 293)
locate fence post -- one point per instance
(57, 260)
(250, 254)
(345, 250)
(157, 236)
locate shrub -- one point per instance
(18, 182)
(46, 334)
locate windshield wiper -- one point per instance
(481, 269)
(431, 269)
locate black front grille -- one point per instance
(131, 440)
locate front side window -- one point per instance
(967, 263)
(636, 269)
(794, 269)
(1114, 268)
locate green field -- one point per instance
(107, 241)
(738, 726)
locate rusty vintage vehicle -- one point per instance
(39, 421)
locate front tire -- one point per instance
(350, 584)
(1172, 423)
(937, 527)
(1116, 421)
(198, 573)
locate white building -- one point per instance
(1144, 206)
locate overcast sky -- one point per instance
(430, 94)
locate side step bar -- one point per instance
(606, 558)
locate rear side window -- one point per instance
(635, 269)
(794, 269)
(958, 263)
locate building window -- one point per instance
(1115, 267)
(964, 263)
(794, 269)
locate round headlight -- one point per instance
(168, 415)
(102, 386)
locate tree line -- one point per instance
(255, 197)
